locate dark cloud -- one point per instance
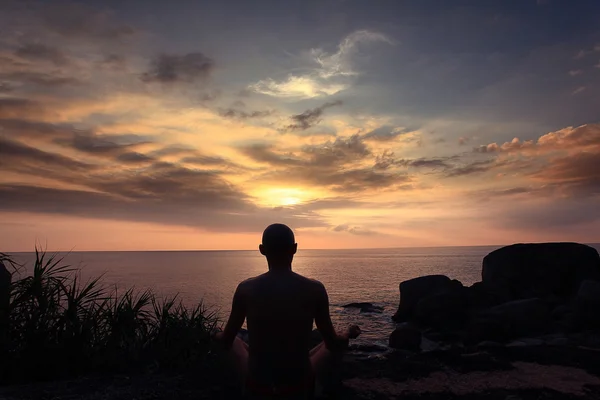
(104, 145)
(474, 167)
(38, 78)
(338, 165)
(204, 160)
(575, 175)
(41, 52)
(5, 87)
(114, 62)
(21, 128)
(241, 114)
(216, 212)
(134, 157)
(388, 160)
(18, 157)
(385, 133)
(341, 151)
(173, 151)
(310, 118)
(176, 68)
(266, 153)
(77, 21)
(15, 108)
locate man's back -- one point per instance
(280, 309)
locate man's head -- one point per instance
(278, 244)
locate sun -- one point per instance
(277, 197)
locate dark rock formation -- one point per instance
(542, 269)
(414, 290)
(586, 306)
(364, 307)
(445, 310)
(515, 319)
(406, 337)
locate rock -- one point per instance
(406, 337)
(414, 290)
(515, 319)
(586, 306)
(589, 293)
(532, 341)
(559, 341)
(484, 295)
(364, 307)
(488, 344)
(541, 269)
(560, 311)
(445, 310)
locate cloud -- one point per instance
(576, 175)
(310, 118)
(333, 74)
(388, 159)
(39, 78)
(563, 139)
(344, 165)
(385, 133)
(578, 90)
(190, 67)
(77, 21)
(463, 140)
(297, 87)
(134, 158)
(473, 168)
(354, 230)
(513, 145)
(564, 162)
(103, 145)
(242, 115)
(20, 158)
(41, 52)
(15, 108)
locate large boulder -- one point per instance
(444, 311)
(515, 319)
(406, 337)
(415, 290)
(586, 306)
(544, 270)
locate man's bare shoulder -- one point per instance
(248, 283)
(313, 284)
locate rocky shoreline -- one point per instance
(529, 330)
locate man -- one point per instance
(280, 307)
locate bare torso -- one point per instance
(280, 308)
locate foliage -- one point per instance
(59, 326)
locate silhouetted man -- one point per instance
(280, 307)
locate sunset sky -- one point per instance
(140, 125)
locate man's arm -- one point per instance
(236, 318)
(333, 341)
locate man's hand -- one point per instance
(354, 331)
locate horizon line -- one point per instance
(300, 249)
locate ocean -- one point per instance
(360, 275)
